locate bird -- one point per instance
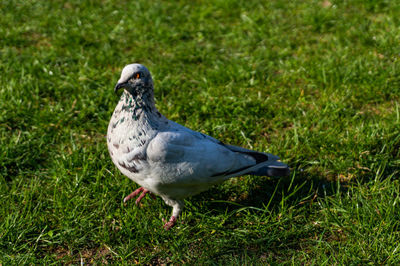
(167, 159)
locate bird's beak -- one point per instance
(119, 86)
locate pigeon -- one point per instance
(168, 159)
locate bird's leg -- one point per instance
(136, 192)
(177, 207)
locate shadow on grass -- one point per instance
(268, 193)
(265, 196)
(297, 189)
(293, 197)
(288, 203)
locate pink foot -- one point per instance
(171, 223)
(136, 192)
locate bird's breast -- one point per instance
(127, 140)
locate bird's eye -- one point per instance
(137, 75)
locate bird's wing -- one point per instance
(186, 156)
(258, 156)
(233, 148)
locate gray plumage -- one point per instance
(168, 159)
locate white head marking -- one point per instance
(129, 70)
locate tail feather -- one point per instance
(269, 164)
(274, 169)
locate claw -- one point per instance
(171, 223)
(136, 192)
(144, 192)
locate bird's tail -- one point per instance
(266, 164)
(275, 168)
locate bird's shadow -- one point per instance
(267, 193)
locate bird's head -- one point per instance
(136, 79)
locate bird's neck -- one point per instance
(138, 107)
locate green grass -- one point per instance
(315, 82)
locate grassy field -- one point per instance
(315, 82)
